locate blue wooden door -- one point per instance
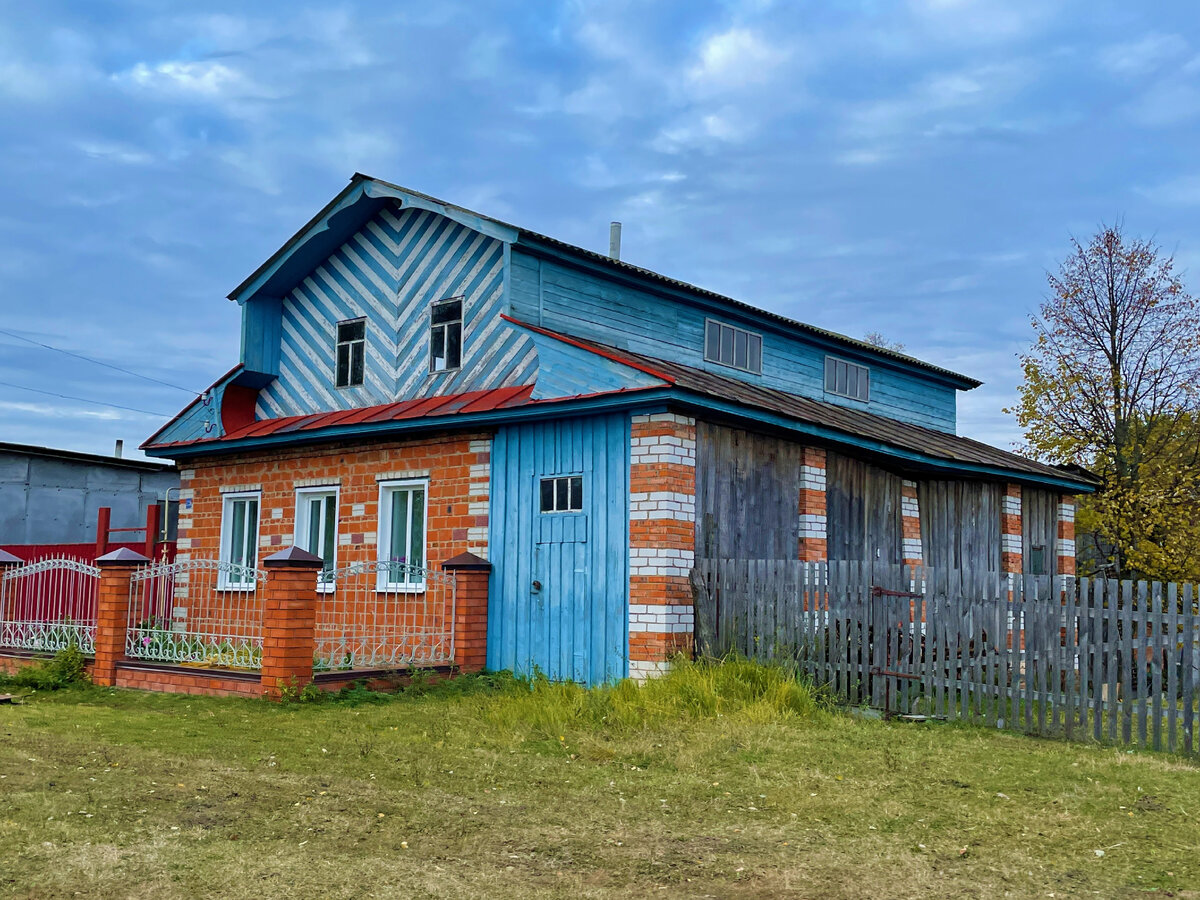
(558, 599)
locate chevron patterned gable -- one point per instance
(390, 272)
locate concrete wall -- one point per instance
(48, 500)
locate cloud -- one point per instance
(734, 59)
(1181, 191)
(1145, 55)
(115, 152)
(208, 79)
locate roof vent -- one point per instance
(614, 240)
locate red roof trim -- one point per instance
(605, 352)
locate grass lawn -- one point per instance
(728, 786)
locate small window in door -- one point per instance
(562, 493)
(1037, 560)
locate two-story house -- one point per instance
(417, 379)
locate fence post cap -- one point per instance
(469, 562)
(294, 558)
(122, 557)
(7, 559)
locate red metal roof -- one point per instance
(425, 407)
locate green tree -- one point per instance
(1111, 385)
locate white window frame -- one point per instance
(387, 493)
(864, 375)
(568, 509)
(226, 554)
(303, 496)
(460, 322)
(751, 337)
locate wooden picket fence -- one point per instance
(1114, 661)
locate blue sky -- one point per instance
(912, 168)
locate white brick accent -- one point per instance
(183, 544)
(673, 418)
(664, 448)
(358, 510)
(277, 512)
(402, 476)
(484, 446)
(1010, 506)
(1010, 543)
(185, 524)
(662, 505)
(478, 507)
(911, 485)
(237, 488)
(661, 619)
(187, 494)
(910, 508)
(317, 482)
(813, 525)
(479, 492)
(181, 557)
(1066, 512)
(660, 561)
(912, 548)
(1066, 547)
(481, 471)
(640, 670)
(812, 478)
(187, 474)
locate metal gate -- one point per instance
(49, 605)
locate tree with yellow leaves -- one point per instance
(1111, 385)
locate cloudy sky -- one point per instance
(912, 168)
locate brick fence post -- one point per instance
(289, 619)
(112, 611)
(471, 574)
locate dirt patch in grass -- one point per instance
(736, 788)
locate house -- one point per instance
(418, 380)
(55, 502)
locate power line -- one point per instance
(21, 337)
(21, 387)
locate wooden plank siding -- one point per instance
(960, 524)
(863, 511)
(562, 298)
(747, 494)
(1039, 520)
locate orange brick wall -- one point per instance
(452, 463)
(183, 682)
(1011, 530)
(813, 511)
(910, 525)
(1066, 535)
(662, 537)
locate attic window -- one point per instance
(351, 344)
(846, 379)
(730, 346)
(445, 335)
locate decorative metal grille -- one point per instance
(196, 612)
(49, 605)
(385, 615)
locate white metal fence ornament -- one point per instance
(49, 605)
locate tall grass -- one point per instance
(735, 688)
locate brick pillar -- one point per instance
(1011, 530)
(112, 611)
(289, 619)
(471, 574)
(1066, 535)
(814, 545)
(910, 525)
(662, 539)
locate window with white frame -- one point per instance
(846, 379)
(445, 335)
(402, 515)
(316, 528)
(731, 346)
(239, 540)
(562, 493)
(351, 348)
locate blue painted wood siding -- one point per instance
(579, 303)
(390, 271)
(576, 626)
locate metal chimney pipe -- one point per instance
(614, 240)
(119, 449)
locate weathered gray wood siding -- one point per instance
(863, 517)
(1039, 521)
(960, 524)
(747, 494)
